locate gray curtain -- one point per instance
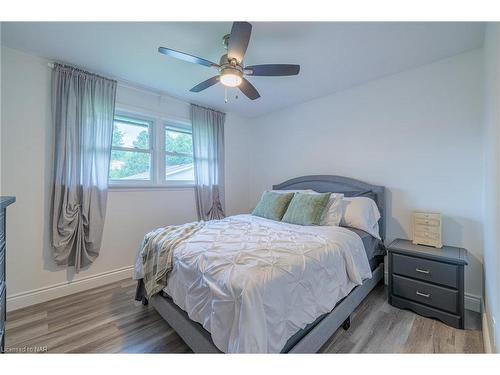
(208, 151)
(83, 106)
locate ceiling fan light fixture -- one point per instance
(231, 79)
(231, 68)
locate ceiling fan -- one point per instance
(230, 67)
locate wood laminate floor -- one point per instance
(108, 320)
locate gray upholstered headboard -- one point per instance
(338, 184)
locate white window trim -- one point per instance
(157, 141)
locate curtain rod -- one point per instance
(210, 109)
(129, 85)
(82, 70)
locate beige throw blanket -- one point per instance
(157, 253)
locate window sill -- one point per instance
(124, 188)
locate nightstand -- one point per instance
(427, 280)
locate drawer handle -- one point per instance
(423, 294)
(423, 271)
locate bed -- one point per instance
(313, 313)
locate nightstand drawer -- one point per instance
(427, 216)
(421, 228)
(425, 269)
(2, 263)
(2, 306)
(428, 294)
(428, 222)
(2, 226)
(425, 235)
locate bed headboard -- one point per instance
(338, 184)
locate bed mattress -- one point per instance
(372, 247)
(253, 283)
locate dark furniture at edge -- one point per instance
(427, 280)
(4, 202)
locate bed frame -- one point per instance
(316, 334)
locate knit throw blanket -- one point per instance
(157, 253)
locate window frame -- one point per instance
(157, 150)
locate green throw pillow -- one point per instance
(306, 209)
(272, 205)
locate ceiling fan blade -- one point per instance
(205, 84)
(186, 57)
(248, 89)
(238, 40)
(272, 70)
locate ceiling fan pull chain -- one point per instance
(225, 95)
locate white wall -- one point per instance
(491, 325)
(26, 151)
(418, 133)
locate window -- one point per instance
(178, 154)
(150, 152)
(131, 150)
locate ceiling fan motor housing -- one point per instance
(225, 62)
(231, 73)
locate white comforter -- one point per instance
(253, 283)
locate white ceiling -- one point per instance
(333, 56)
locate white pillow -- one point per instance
(333, 210)
(361, 213)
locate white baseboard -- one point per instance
(472, 302)
(32, 297)
(486, 334)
